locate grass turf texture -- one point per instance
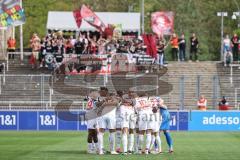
(72, 145)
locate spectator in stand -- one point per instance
(101, 45)
(202, 103)
(130, 47)
(54, 46)
(79, 46)
(68, 47)
(49, 47)
(84, 42)
(228, 58)
(174, 44)
(194, 48)
(227, 44)
(72, 40)
(160, 50)
(140, 45)
(11, 43)
(182, 48)
(223, 104)
(36, 46)
(60, 47)
(223, 101)
(42, 51)
(110, 46)
(93, 45)
(235, 49)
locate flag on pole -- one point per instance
(11, 13)
(78, 17)
(89, 16)
(162, 23)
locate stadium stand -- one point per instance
(28, 90)
(230, 85)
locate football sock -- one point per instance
(124, 142)
(100, 141)
(159, 143)
(141, 140)
(136, 142)
(89, 146)
(112, 141)
(148, 140)
(131, 142)
(169, 140)
(93, 146)
(118, 139)
(153, 141)
(96, 146)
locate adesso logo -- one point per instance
(217, 120)
(214, 121)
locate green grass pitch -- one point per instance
(72, 145)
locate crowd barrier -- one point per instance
(180, 121)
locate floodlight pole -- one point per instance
(142, 15)
(222, 15)
(238, 12)
(21, 37)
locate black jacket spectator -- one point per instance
(182, 48)
(49, 48)
(235, 49)
(194, 47)
(79, 47)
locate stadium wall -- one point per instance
(180, 121)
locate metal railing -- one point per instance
(15, 53)
(231, 71)
(48, 91)
(2, 77)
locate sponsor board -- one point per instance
(214, 121)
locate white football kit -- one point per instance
(93, 122)
(156, 118)
(108, 118)
(127, 113)
(144, 109)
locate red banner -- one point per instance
(109, 30)
(162, 23)
(89, 16)
(78, 17)
(151, 42)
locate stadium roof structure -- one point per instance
(65, 21)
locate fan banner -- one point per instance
(150, 41)
(7, 4)
(78, 17)
(89, 16)
(11, 13)
(162, 23)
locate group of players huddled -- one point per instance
(128, 117)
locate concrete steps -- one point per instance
(28, 88)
